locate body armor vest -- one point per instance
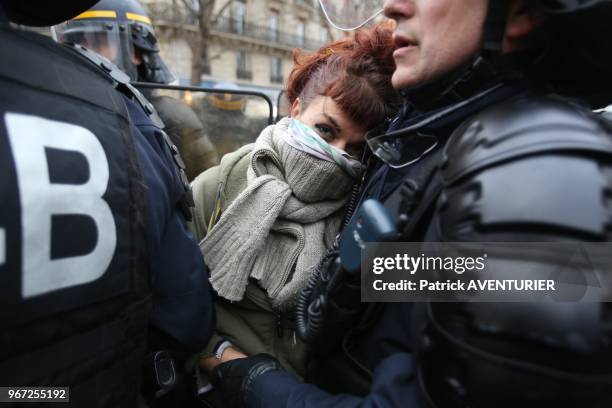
(74, 284)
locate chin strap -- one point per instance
(494, 27)
(454, 87)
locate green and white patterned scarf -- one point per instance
(304, 138)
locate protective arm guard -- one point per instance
(531, 170)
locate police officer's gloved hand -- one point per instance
(235, 378)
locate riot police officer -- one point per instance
(121, 31)
(96, 261)
(487, 85)
(225, 120)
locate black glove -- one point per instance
(234, 378)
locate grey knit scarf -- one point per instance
(276, 230)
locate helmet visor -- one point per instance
(350, 14)
(103, 37)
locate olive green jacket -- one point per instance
(187, 133)
(251, 325)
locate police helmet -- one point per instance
(575, 12)
(577, 53)
(40, 13)
(567, 6)
(121, 31)
(227, 101)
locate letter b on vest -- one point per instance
(40, 200)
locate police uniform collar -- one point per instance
(450, 113)
(468, 80)
(432, 128)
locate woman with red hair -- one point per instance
(269, 211)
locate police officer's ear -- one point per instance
(296, 108)
(523, 21)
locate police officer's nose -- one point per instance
(398, 9)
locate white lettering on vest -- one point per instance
(40, 199)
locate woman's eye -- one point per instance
(324, 130)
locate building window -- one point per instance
(238, 13)
(300, 32)
(243, 66)
(276, 70)
(273, 25)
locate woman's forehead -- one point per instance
(326, 107)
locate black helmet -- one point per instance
(121, 31)
(42, 13)
(567, 6)
(577, 55)
(498, 11)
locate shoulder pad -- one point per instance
(122, 82)
(531, 166)
(123, 85)
(521, 127)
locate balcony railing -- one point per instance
(264, 33)
(165, 14)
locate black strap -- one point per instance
(495, 27)
(411, 204)
(425, 205)
(122, 82)
(186, 202)
(123, 85)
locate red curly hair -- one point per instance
(354, 72)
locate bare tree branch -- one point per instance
(206, 3)
(223, 8)
(189, 6)
(201, 11)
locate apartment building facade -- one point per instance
(250, 43)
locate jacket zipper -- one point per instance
(280, 331)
